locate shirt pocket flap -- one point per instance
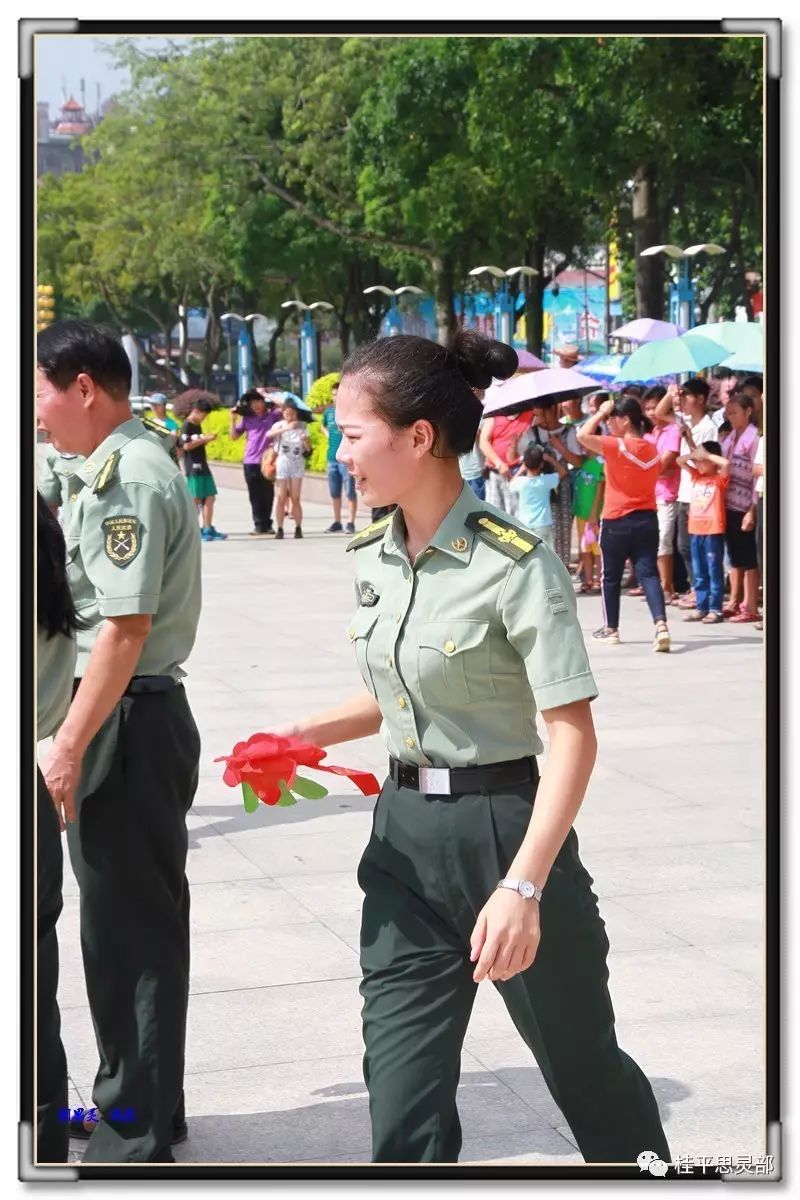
(361, 623)
(452, 637)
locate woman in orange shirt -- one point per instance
(629, 528)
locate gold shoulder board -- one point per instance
(370, 534)
(106, 473)
(514, 542)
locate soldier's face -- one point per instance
(383, 461)
(65, 415)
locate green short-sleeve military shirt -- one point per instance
(133, 547)
(463, 647)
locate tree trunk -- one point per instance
(534, 307)
(647, 231)
(344, 337)
(212, 336)
(443, 298)
(272, 353)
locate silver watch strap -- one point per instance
(514, 886)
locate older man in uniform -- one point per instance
(123, 767)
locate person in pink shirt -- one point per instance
(740, 448)
(666, 437)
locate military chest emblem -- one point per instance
(369, 597)
(123, 539)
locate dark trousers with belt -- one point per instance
(128, 849)
(262, 493)
(633, 536)
(52, 1133)
(430, 865)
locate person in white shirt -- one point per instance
(687, 404)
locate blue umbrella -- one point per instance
(603, 367)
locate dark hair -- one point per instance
(696, 387)
(533, 457)
(746, 402)
(247, 397)
(413, 379)
(68, 349)
(712, 447)
(656, 392)
(632, 409)
(55, 610)
(203, 406)
(633, 390)
(754, 381)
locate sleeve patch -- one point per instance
(122, 539)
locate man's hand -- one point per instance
(506, 936)
(62, 772)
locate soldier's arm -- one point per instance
(358, 717)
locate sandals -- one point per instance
(635, 591)
(712, 618)
(695, 615)
(743, 616)
(731, 610)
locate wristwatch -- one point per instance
(526, 889)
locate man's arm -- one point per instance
(664, 409)
(111, 665)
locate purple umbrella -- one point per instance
(534, 390)
(528, 361)
(645, 329)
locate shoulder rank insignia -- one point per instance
(106, 473)
(167, 440)
(514, 542)
(370, 534)
(123, 539)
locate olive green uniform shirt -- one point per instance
(55, 475)
(55, 671)
(133, 547)
(462, 647)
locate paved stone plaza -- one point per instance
(672, 831)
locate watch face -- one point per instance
(527, 889)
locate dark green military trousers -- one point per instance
(430, 865)
(52, 1133)
(128, 849)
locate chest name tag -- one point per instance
(123, 539)
(369, 597)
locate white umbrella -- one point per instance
(534, 389)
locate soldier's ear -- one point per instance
(87, 387)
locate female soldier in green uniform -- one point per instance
(466, 625)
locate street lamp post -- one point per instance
(309, 361)
(394, 319)
(503, 300)
(681, 289)
(244, 349)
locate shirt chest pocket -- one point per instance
(454, 663)
(360, 631)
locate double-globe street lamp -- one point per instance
(681, 289)
(394, 320)
(244, 349)
(309, 359)
(503, 300)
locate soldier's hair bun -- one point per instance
(481, 360)
(413, 379)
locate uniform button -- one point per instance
(351, 633)
(389, 663)
(401, 703)
(410, 743)
(74, 496)
(399, 618)
(449, 647)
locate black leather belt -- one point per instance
(450, 781)
(143, 685)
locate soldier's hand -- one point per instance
(62, 772)
(506, 936)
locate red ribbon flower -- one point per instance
(266, 768)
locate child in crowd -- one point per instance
(533, 487)
(587, 505)
(709, 474)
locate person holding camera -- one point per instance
(289, 438)
(254, 416)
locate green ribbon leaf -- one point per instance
(286, 796)
(251, 800)
(308, 789)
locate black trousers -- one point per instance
(430, 865)
(52, 1132)
(633, 536)
(262, 494)
(128, 848)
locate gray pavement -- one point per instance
(672, 831)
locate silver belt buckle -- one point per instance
(434, 781)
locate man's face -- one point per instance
(65, 415)
(159, 410)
